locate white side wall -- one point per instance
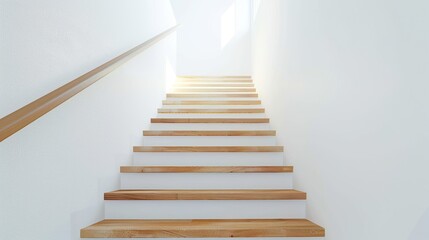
(53, 173)
(346, 86)
(214, 37)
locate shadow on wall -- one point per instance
(93, 212)
(421, 231)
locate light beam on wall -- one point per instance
(170, 75)
(228, 25)
(255, 4)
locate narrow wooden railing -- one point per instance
(17, 120)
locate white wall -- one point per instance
(214, 37)
(53, 173)
(46, 43)
(346, 86)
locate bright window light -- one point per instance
(228, 25)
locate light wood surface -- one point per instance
(206, 169)
(201, 90)
(210, 120)
(227, 194)
(209, 133)
(214, 85)
(203, 228)
(211, 95)
(210, 102)
(17, 120)
(211, 110)
(206, 228)
(208, 149)
(220, 80)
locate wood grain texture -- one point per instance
(219, 80)
(208, 149)
(210, 120)
(203, 228)
(211, 102)
(17, 120)
(211, 110)
(209, 133)
(193, 84)
(227, 194)
(202, 90)
(212, 95)
(206, 169)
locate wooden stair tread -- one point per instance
(208, 149)
(211, 110)
(206, 90)
(215, 81)
(206, 169)
(210, 120)
(211, 95)
(209, 133)
(210, 102)
(216, 194)
(197, 84)
(202, 228)
(213, 89)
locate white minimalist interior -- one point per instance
(241, 109)
(214, 37)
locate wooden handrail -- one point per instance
(17, 120)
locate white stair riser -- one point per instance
(203, 209)
(208, 159)
(212, 84)
(213, 90)
(205, 78)
(210, 126)
(209, 141)
(211, 115)
(206, 181)
(199, 82)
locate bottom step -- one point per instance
(203, 228)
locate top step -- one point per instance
(208, 79)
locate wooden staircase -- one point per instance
(210, 167)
